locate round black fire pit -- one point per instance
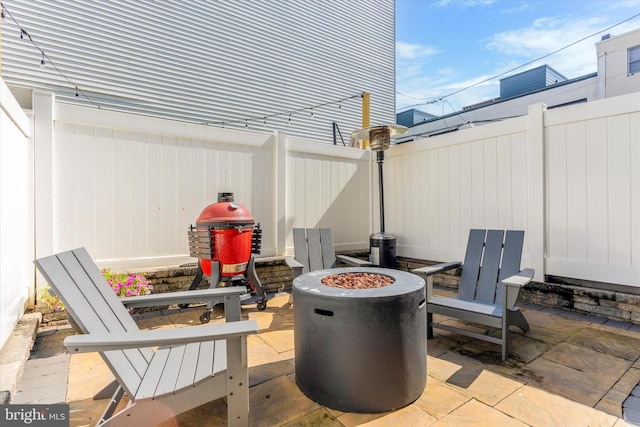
(360, 350)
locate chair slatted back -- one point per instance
(89, 299)
(313, 247)
(491, 256)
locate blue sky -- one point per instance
(443, 46)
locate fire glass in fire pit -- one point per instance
(360, 347)
(357, 280)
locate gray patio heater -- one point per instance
(382, 245)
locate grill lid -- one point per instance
(225, 212)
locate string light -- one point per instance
(2, 15)
(45, 58)
(284, 113)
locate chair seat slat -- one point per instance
(205, 361)
(169, 377)
(152, 377)
(186, 377)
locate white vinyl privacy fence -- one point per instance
(127, 188)
(16, 250)
(569, 177)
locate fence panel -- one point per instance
(593, 189)
(475, 178)
(16, 268)
(329, 186)
(129, 191)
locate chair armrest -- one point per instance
(438, 268)
(158, 337)
(183, 297)
(521, 279)
(354, 262)
(512, 285)
(294, 265)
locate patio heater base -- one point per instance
(360, 350)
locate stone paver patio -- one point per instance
(568, 370)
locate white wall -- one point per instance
(613, 64)
(16, 268)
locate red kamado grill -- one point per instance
(225, 238)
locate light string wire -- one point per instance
(45, 58)
(441, 98)
(290, 113)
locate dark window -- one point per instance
(634, 60)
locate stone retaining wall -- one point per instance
(616, 302)
(592, 298)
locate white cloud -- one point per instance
(464, 3)
(414, 51)
(567, 45)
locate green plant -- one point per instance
(123, 284)
(127, 285)
(51, 300)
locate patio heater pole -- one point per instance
(380, 160)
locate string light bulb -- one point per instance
(290, 113)
(6, 14)
(3, 16)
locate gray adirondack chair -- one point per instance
(190, 367)
(313, 250)
(489, 286)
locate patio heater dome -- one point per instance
(379, 136)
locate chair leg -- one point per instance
(505, 337)
(516, 318)
(111, 407)
(237, 382)
(108, 391)
(429, 325)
